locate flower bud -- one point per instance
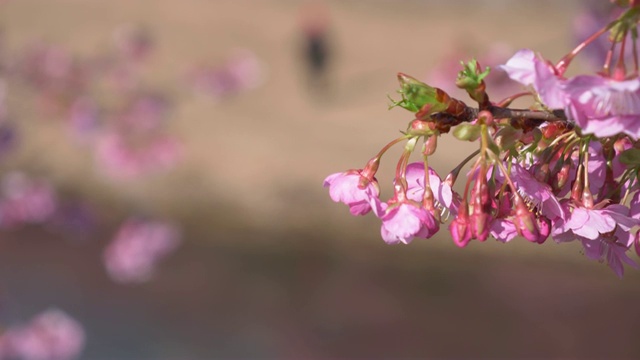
(420, 94)
(525, 222)
(563, 176)
(419, 127)
(459, 227)
(541, 172)
(480, 225)
(369, 171)
(430, 145)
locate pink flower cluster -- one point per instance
(133, 254)
(599, 105)
(51, 335)
(566, 168)
(108, 106)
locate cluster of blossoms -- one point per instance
(566, 168)
(106, 104)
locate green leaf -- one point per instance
(630, 157)
(467, 132)
(470, 77)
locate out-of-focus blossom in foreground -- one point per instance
(51, 335)
(25, 200)
(139, 245)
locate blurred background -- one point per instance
(205, 128)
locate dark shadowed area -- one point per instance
(269, 266)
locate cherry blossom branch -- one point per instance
(526, 119)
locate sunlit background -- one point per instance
(258, 261)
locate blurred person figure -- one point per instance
(51, 335)
(316, 52)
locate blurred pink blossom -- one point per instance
(138, 246)
(124, 158)
(51, 335)
(242, 71)
(52, 70)
(605, 106)
(144, 112)
(25, 200)
(84, 117)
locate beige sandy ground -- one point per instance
(272, 267)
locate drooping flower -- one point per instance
(591, 223)
(540, 194)
(604, 233)
(403, 219)
(460, 227)
(503, 229)
(609, 250)
(402, 223)
(345, 187)
(442, 192)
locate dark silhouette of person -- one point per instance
(316, 53)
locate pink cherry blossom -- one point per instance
(597, 167)
(528, 68)
(404, 220)
(138, 246)
(591, 223)
(345, 187)
(614, 253)
(604, 233)
(124, 158)
(604, 106)
(51, 335)
(442, 192)
(535, 191)
(503, 230)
